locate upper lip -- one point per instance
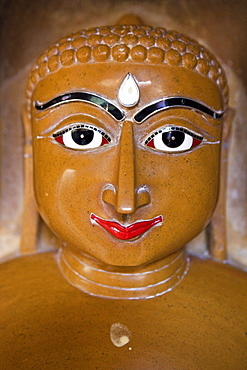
(126, 232)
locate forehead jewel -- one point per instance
(129, 93)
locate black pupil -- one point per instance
(82, 136)
(173, 139)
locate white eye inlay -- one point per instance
(81, 137)
(75, 140)
(167, 144)
(128, 93)
(173, 139)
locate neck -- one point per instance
(99, 279)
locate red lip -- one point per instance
(126, 232)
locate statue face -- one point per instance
(116, 176)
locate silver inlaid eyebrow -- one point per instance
(94, 99)
(174, 102)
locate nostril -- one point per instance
(109, 195)
(143, 197)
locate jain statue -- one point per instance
(124, 130)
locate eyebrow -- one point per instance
(174, 102)
(94, 99)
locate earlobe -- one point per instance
(30, 212)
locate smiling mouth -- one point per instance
(126, 232)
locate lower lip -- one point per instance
(126, 232)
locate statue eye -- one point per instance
(82, 137)
(173, 139)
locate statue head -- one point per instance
(126, 130)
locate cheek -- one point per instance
(183, 185)
(184, 190)
(69, 184)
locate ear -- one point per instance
(30, 212)
(217, 228)
(26, 120)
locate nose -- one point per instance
(124, 196)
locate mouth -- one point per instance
(126, 232)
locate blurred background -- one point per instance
(28, 27)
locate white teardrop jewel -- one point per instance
(129, 93)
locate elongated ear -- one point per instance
(217, 228)
(30, 212)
